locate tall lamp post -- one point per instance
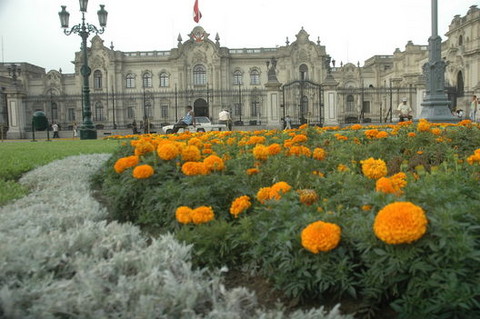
(87, 130)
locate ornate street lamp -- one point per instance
(87, 130)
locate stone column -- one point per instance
(435, 106)
(16, 115)
(330, 101)
(274, 95)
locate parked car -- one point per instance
(202, 124)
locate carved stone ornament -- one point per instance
(198, 34)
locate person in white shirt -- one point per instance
(224, 118)
(404, 111)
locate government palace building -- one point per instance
(259, 86)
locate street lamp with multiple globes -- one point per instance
(87, 130)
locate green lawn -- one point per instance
(18, 158)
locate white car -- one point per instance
(202, 124)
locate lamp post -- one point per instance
(87, 130)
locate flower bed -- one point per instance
(386, 215)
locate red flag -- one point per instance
(197, 15)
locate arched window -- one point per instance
(99, 116)
(460, 84)
(199, 75)
(130, 81)
(97, 79)
(255, 77)
(164, 80)
(237, 78)
(303, 72)
(350, 108)
(147, 80)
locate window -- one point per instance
(130, 81)
(366, 107)
(130, 112)
(237, 78)
(238, 109)
(54, 111)
(303, 72)
(460, 40)
(164, 110)
(71, 114)
(164, 80)
(147, 80)
(97, 79)
(350, 104)
(99, 116)
(255, 77)
(255, 108)
(199, 75)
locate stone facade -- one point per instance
(259, 85)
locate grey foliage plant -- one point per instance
(59, 257)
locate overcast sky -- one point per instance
(351, 30)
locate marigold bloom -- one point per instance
(340, 137)
(191, 153)
(366, 207)
(253, 171)
(183, 215)
(436, 131)
(303, 126)
(475, 158)
(300, 138)
(195, 141)
(382, 134)
(168, 151)
(281, 187)
(194, 168)
(320, 236)
(412, 134)
(423, 126)
(307, 196)
(239, 205)
(260, 152)
(371, 133)
(143, 171)
(319, 154)
(214, 163)
(274, 149)
(202, 214)
(356, 127)
(342, 168)
(373, 168)
(256, 140)
(263, 194)
(125, 162)
(299, 151)
(400, 223)
(144, 148)
(318, 173)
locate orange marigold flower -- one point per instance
(373, 168)
(382, 134)
(260, 152)
(307, 196)
(356, 127)
(299, 151)
(371, 133)
(340, 137)
(125, 162)
(274, 149)
(144, 148)
(214, 163)
(367, 207)
(239, 205)
(475, 158)
(143, 171)
(263, 194)
(256, 140)
(184, 215)
(423, 126)
(194, 168)
(400, 223)
(300, 138)
(168, 151)
(281, 187)
(191, 153)
(436, 131)
(319, 154)
(412, 134)
(320, 236)
(202, 214)
(342, 168)
(318, 173)
(195, 141)
(303, 126)
(253, 171)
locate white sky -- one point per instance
(351, 30)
